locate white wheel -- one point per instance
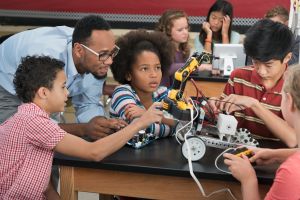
(197, 147)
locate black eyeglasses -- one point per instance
(103, 56)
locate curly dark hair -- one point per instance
(84, 27)
(165, 24)
(135, 42)
(35, 72)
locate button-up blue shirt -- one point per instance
(55, 42)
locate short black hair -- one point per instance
(35, 72)
(84, 27)
(135, 42)
(267, 40)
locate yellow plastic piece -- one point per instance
(189, 69)
(246, 153)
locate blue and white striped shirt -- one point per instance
(124, 95)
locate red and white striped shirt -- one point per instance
(245, 81)
(27, 141)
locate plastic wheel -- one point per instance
(197, 147)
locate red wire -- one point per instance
(211, 113)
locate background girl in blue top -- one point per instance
(217, 27)
(143, 58)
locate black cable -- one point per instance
(204, 98)
(238, 105)
(210, 110)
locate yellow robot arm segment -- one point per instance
(185, 71)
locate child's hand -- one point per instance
(215, 72)
(240, 168)
(226, 25)
(152, 115)
(263, 156)
(133, 111)
(214, 103)
(206, 28)
(235, 102)
(205, 67)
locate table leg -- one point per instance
(67, 189)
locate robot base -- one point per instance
(209, 137)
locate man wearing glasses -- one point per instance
(87, 51)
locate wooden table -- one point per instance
(211, 86)
(157, 171)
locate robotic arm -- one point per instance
(175, 103)
(222, 135)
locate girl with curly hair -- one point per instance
(143, 59)
(174, 24)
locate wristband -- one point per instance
(207, 40)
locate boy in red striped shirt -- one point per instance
(253, 93)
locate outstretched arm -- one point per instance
(242, 170)
(125, 106)
(75, 146)
(278, 126)
(264, 156)
(275, 124)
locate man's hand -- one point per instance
(99, 127)
(108, 89)
(133, 111)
